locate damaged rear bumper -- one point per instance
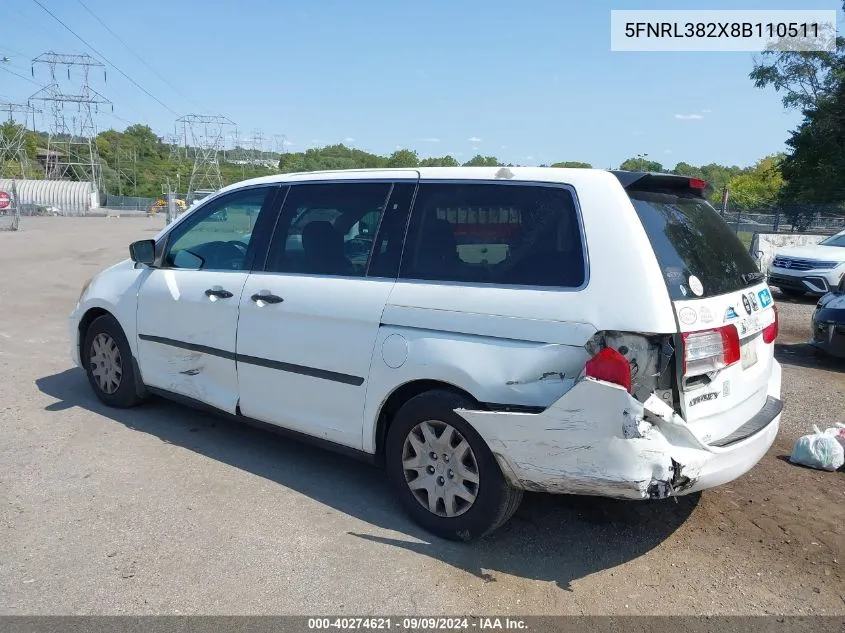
(599, 440)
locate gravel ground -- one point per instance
(162, 509)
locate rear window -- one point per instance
(691, 240)
(494, 233)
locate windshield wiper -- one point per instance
(752, 277)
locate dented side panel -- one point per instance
(176, 321)
(494, 370)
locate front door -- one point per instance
(308, 323)
(188, 307)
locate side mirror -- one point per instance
(143, 252)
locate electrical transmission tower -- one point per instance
(13, 137)
(281, 143)
(256, 144)
(126, 166)
(206, 135)
(71, 147)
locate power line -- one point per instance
(25, 78)
(142, 60)
(81, 39)
(12, 51)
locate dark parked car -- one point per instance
(829, 322)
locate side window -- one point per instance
(328, 229)
(524, 235)
(219, 235)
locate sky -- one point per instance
(530, 82)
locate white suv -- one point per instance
(815, 269)
(506, 329)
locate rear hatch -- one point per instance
(726, 317)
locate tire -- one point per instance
(109, 365)
(494, 501)
(792, 292)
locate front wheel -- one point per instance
(108, 362)
(442, 471)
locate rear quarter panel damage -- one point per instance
(596, 440)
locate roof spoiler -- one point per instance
(652, 181)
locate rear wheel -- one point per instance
(443, 473)
(108, 362)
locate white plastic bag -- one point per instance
(837, 432)
(819, 450)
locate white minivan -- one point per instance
(478, 331)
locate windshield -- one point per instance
(690, 240)
(836, 240)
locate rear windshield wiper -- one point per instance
(752, 277)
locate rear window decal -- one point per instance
(765, 297)
(730, 313)
(696, 286)
(753, 299)
(746, 304)
(705, 315)
(687, 316)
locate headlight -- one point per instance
(84, 289)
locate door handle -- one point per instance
(266, 297)
(219, 293)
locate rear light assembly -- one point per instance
(710, 350)
(697, 183)
(611, 366)
(770, 332)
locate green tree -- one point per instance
(758, 187)
(439, 161)
(403, 158)
(573, 163)
(482, 161)
(815, 168)
(641, 164)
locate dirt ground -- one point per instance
(162, 509)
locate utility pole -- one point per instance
(71, 145)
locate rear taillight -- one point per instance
(770, 332)
(610, 365)
(710, 350)
(697, 183)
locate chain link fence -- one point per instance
(128, 203)
(819, 219)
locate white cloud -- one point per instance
(689, 117)
(349, 139)
(288, 143)
(706, 111)
(429, 139)
(529, 158)
(474, 139)
(667, 151)
(397, 147)
(504, 146)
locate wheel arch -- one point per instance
(90, 315)
(400, 395)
